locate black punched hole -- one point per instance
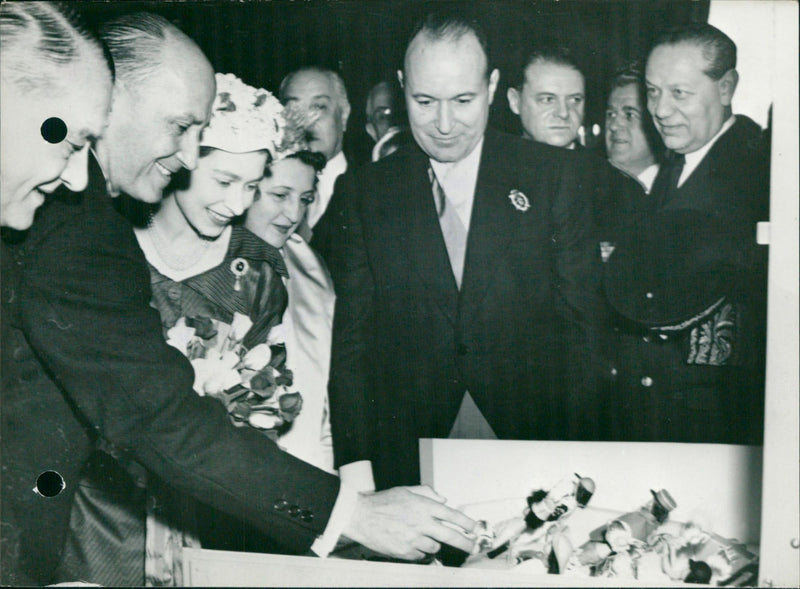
(54, 130)
(49, 484)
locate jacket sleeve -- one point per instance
(350, 386)
(85, 312)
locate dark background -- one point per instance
(261, 41)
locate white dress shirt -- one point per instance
(647, 176)
(693, 159)
(458, 180)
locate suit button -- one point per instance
(613, 372)
(280, 505)
(295, 511)
(647, 381)
(462, 350)
(306, 516)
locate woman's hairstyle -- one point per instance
(314, 159)
(38, 39)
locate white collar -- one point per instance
(336, 166)
(471, 162)
(647, 176)
(458, 179)
(694, 158)
(390, 132)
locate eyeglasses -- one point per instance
(381, 114)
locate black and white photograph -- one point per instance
(399, 293)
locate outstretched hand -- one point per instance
(408, 523)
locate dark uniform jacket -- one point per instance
(700, 379)
(407, 342)
(83, 359)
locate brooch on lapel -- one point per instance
(519, 200)
(239, 267)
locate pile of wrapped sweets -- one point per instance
(643, 544)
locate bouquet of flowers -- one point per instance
(253, 384)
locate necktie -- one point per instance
(667, 182)
(453, 230)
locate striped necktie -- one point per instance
(453, 229)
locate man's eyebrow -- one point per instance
(189, 118)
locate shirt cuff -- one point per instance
(358, 475)
(340, 517)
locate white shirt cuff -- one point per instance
(340, 517)
(358, 475)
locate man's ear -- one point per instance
(400, 79)
(345, 108)
(727, 86)
(513, 100)
(494, 78)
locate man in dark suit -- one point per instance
(84, 360)
(548, 94)
(463, 271)
(690, 291)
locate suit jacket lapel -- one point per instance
(494, 219)
(421, 235)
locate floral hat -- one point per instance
(245, 119)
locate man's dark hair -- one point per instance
(136, 43)
(36, 38)
(550, 53)
(717, 47)
(442, 26)
(632, 74)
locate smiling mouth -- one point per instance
(445, 140)
(669, 128)
(219, 218)
(164, 170)
(284, 229)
